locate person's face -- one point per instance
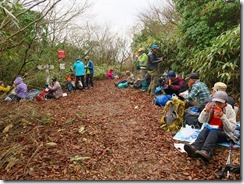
(219, 104)
(190, 82)
(155, 50)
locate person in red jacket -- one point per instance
(174, 84)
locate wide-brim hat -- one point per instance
(219, 86)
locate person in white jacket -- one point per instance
(220, 120)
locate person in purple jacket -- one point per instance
(20, 90)
(174, 84)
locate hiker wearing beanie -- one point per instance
(220, 123)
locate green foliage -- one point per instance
(204, 20)
(222, 58)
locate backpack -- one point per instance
(41, 96)
(172, 115)
(191, 118)
(161, 100)
(123, 85)
(32, 94)
(137, 84)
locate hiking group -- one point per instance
(184, 100)
(214, 111)
(80, 79)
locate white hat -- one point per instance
(219, 86)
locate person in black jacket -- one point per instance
(152, 67)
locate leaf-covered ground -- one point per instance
(103, 133)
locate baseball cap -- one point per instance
(171, 74)
(219, 86)
(141, 49)
(154, 46)
(192, 76)
(220, 96)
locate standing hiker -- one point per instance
(152, 67)
(79, 68)
(142, 60)
(89, 72)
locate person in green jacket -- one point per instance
(142, 59)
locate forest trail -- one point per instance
(103, 133)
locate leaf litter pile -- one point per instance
(103, 133)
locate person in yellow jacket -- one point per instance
(3, 88)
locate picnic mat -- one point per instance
(189, 134)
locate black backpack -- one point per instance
(191, 115)
(137, 85)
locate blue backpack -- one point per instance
(123, 85)
(161, 100)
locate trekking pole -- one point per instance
(229, 159)
(225, 169)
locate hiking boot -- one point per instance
(191, 150)
(203, 154)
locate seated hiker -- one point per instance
(70, 82)
(130, 79)
(162, 79)
(198, 91)
(109, 74)
(220, 119)
(3, 88)
(218, 86)
(174, 84)
(54, 90)
(20, 90)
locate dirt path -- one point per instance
(121, 140)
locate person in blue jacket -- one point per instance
(89, 71)
(79, 68)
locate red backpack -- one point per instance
(41, 96)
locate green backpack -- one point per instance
(172, 115)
